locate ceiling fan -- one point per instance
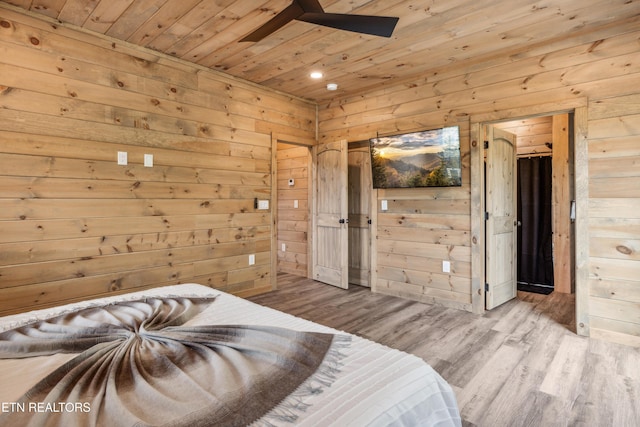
(311, 11)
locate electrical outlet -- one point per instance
(446, 267)
(384, 205)
(263, 204)
(252, 259)
(148, 160)
(284, 247)
(295, 204)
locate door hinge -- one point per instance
(486, 145)
(486, 287)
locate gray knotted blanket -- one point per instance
(138, 364)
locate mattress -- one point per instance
(375, 385)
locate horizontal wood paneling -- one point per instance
(533, 135)
(421, 228)
(293, 222)
(598, 70)
(74, 224)
(614, 273)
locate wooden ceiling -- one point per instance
(431, 36)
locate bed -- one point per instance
(190, 355)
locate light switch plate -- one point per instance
(384, 205)
(122, 158)
(252, 259)
(263, 204)
(295, 204)
(148, 160)
(446, 267)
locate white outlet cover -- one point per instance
(384, 205)
(148, 160)
(263, 204)
(252, 259)
(295, 204)
(284, 247)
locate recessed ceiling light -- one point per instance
(332, 86)
(316, 75)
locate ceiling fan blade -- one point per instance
(366, 24)
(281, 19)
(311, 6)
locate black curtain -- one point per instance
(535, 245)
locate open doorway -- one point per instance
(541, 257)
(293, 205)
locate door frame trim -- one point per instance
(581, 179)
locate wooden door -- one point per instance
(501, 217)
(360, 189)
(330, 228)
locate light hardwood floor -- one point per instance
(519, 365)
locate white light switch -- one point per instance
(295, 204)
(252, 259)
(284, 247)
(384, 205)
(446, 267)
(148, 160)
(263, 204)
(122, 158)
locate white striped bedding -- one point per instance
(377, 386)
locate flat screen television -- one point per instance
(429, 158)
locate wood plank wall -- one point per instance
(600, 70)
(74, 224)
(532, 134)
(420, 229)
(293, 222)
(614, 217)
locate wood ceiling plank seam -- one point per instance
(76, 12)
(187, 23)
(158, 23)
(50, 8)
(129, 21)
(106, 14)
(234, 29)
(216, 57)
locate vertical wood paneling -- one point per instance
(561, 205)
(74, 224)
